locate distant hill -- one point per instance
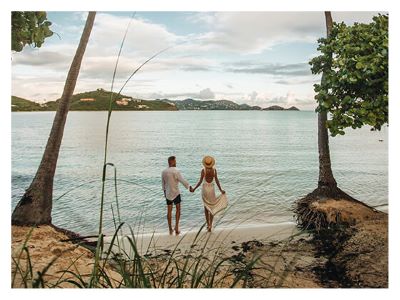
(191, 104)
(277, 107)
(99, 100)
(21, 104)
(94, 101)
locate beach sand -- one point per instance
(353, 257)
(46, 245)
(285, 255)
(219, 237)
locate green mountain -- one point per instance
(21, 104)
(191, 104)
(94, 101)
(99, 100)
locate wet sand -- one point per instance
(218, 238)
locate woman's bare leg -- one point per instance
(207, 218)
(211, 221)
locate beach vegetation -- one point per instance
(29, 28)
(333, 94)
(354, 61)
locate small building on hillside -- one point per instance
(124, 101)
(87, 100)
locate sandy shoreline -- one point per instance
(220, 237)
(287, 257)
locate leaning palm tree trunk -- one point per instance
(35, 206)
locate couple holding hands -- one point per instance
(171, 177)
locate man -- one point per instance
(171, 177)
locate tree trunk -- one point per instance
(307, 216)
(326, 179)
(35, 206)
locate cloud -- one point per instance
(204, 94)
(221, 37)
(254, 32)
(298, 69)
(253, 96)
(290, 99)
(195, 68)
(266, 99)
(294, 81)
(143, 36)
(41, 58)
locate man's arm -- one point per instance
(182, 180)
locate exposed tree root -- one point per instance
(310, 218)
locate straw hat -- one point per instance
(208, 161)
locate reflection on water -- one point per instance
(265, 159)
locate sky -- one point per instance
(258, 58)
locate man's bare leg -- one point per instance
(169, 218)
(177, 217)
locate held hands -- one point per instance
(222, 191)
(191, 189)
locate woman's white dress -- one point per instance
(211, 202)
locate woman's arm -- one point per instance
(217, 182)
(200, 180)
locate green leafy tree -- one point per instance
(29, 28)
(354, 62)
(353, 90)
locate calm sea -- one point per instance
(266, 160)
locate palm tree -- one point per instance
(35, 206)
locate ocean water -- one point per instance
(265, 161)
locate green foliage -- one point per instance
(354, 86)
(29, 28)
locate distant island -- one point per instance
(99, 101)
(191, 104)
(277, 107)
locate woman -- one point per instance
(212, 204)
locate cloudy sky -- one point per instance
(259, 58)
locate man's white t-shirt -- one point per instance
(171, 177)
